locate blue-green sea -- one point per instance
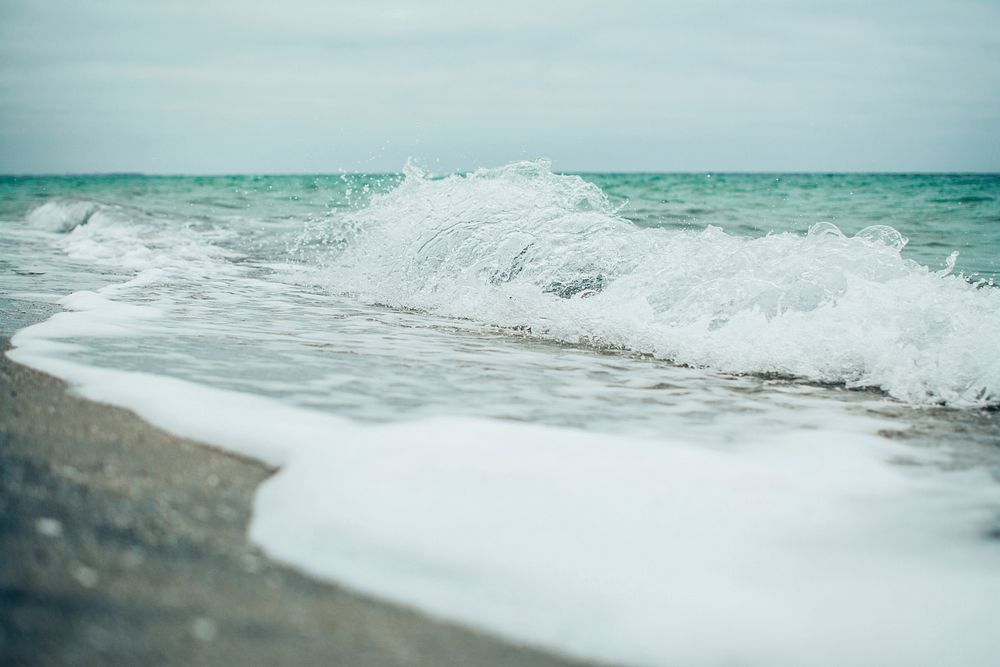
(939, 213)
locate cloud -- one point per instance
(319, 86)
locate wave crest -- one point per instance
(522, 247)
(62, 215)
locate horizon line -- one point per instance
(587, 172)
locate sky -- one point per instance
(308, 86)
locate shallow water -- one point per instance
(782, 343)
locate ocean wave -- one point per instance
(130, 240)
(62, 215)
(522, 247)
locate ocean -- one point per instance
(691, 419)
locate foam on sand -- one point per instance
(809, 549)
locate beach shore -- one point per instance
(123, 545)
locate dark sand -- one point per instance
(123, 545)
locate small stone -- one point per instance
(204, 629)
(85, 576)
(49, 527)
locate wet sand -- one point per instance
(123, 545)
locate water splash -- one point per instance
(522, 247)
(62, 215)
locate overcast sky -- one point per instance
(319, 86)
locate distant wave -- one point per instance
(62, 215)
(968, 199)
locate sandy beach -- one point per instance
(123, 545)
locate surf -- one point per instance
(530, 250)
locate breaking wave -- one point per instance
(62, 215)
(525, 248)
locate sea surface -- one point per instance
(691, 419)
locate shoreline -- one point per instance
(124, 545)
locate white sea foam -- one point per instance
(807, 549)
(129, 241)
(525, 248)
(62, 215)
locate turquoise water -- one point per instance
(939, 213)
(682, 263)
